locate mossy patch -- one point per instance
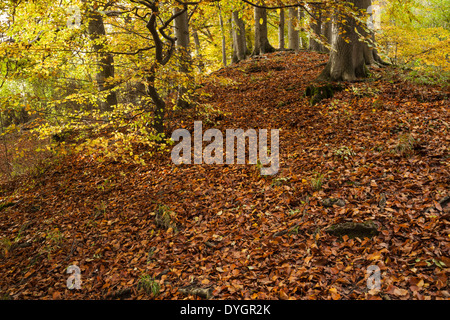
(317, 94)
(354, 229)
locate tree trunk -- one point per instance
(292, 31)
(162, 57)
(200, 64)
(346, 60)
(105, 61)
(224, 43)
(303, 39)
(316, 25)
(262, 44)
(238, 31)
(249, 34)
(160, 105)
(281, 30)
(181, 31)
(370, 52)
(181, 27)
(327, 33)
(196, 42)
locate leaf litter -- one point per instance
(235, 234)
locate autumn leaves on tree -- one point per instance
(117, 62)
(146, 45)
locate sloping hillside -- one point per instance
(376, 152)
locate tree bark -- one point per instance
(181, 31)
(281, 30)
(303, 39)
(262, 44)
(293, 34)
(347, 61)
(249, 34)
(370, 52)
(105, 61)
(181, 27)
(316, 25)
(327, 27)
(224, 43)
(162, 58)
(160, 105)
(238, 32)
(200, 64)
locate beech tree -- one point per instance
(105, 68)
(293, 33)
(370, 52)
(222, 30)
(238, 34)
(123, 47)
(281, 42)
(327, 33)
(349, 55)
(181, 31)
(262, 44)
(316, 25)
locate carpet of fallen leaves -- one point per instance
(382, 146)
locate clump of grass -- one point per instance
(165, 217)
(210, 114)
(317, 182)
(405, 145)
(377, 104)
(293, 212)
(279, 181)
(294, 230)
(55, 237)
(5, 247)
(149, 285)
(344, 153)
(429, 75)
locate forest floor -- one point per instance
(141, 232)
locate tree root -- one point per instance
(205, 293)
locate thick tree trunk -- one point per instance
(105, 73)
(316, 26)
(181, 30)
(262, 44)
(370, 53)
(293, 35)
(347, 60)
(281, 42)
(238, 32)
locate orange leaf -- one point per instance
(283, 295)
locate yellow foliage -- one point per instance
(429, 46)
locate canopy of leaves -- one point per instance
(97, 189)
